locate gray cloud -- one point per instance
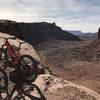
(61, 11)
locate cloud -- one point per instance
(64, 12)
(50, 7)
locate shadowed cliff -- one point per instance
(35, 33)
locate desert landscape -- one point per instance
(66, 60)
(49, 50)
(68, 57)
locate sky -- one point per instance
(81, 15)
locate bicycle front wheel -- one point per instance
(28, 67)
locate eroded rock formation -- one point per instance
(35, 33)
(99, 33)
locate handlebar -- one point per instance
(21, 42)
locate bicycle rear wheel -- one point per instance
(28, 67)
(3, 85)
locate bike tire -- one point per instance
(25, 93)
(4, 78)
(29, 72)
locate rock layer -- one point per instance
(35, 33)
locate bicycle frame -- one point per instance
(16, 59)
(10, 52)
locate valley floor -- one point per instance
(56, 55)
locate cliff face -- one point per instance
(11, 27)
(99, 33)
(35, 33)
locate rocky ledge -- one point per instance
(55, 88)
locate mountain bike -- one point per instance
(24, 64)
